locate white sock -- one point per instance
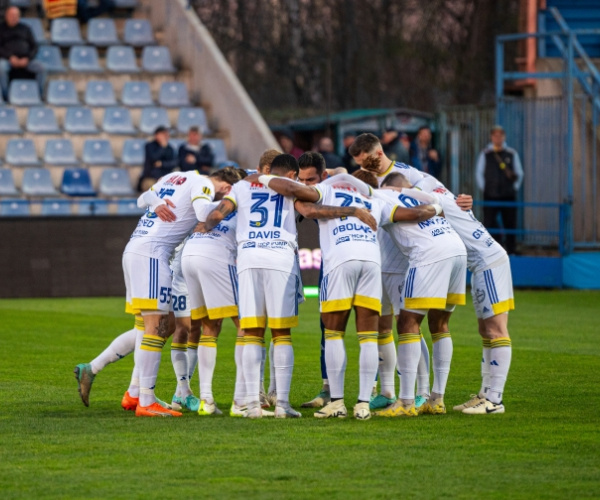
(368, 362)
(442, 357)
(207, 358)
(120, 347)
(423, 388)
(500, 356)
(192, 353)
(272, 378)
(387, 364)
(134, 385)
(251, 366)
(409, 351)
(485, 368)
(239, 394)
(179, 360)
(262, 369)
(283, 361)
(335, 359)
(149, 361)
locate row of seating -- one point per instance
(61, 207)
(27, 4)
(22, 152)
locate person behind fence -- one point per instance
(393, 147)
(160, 159)
(17, 50)
(193, 155)
(499, 175)
(327, 150)
(422, 154)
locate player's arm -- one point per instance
(313, 211)
(415, 214)
(286, 187)
(160, 206)
(465, 202)
(224, 208)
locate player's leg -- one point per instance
(192, 347)
(423, 371)
(367, 323)
(207, 359)
(387, 363)
(442, 358)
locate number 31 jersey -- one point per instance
(266, 228)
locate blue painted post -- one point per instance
(499, 79)
(569, 138)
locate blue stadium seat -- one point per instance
(228, 163)
(138, 32)
(7, 183)
(118, 121)
(21, 152)
(129, 207)
(14, 208)
(157, 60)
(51, 56)
(137, 94)
(84, 58)
(62, 93)
(59, 152)
(24, 93)
(56, 207)
(102, 32)
(218, 149)
(22, 4)
(80, 120)
(41, 120)
(93, 206)
(173, 95)
(37, 182)
(77, 182)
(191, 117)
(176, 143)
(152, 118)
(121, 59)
(35, 25)
(115, 182)
(100, 93)
(9, 122)
(98, 152)
(133, 152)
(126, 4)
(65, 32)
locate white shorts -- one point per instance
(268, 293)
(492, 290)
(213, 289)
(391, 297)
(353, 283)
(440, 285)
(147, 283)
(180, 304)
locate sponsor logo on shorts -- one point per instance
(480, 295)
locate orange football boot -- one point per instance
(128, 402)
(155, 410)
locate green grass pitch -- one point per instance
(545, 446)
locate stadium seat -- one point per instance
(59, 152)
(218, 149)
(137, 94)
(21, 152)
(7, 183)
(56, 207)
(80, 120)
(157, 60)
(126, 4)
(133, 152)
(24, 93)
(41, 120)
(52, 58)
(77, 182)
(100, 93)
(173, 95)
(115, 182)
(152, 118)
(9, 122)
(22, 4)
(35, 25)
(93, 206)
(121, 59)
(37, 182)
(62, 93)
(129, 207)
(118, 121)
(102, 32)
(14, 208)
(65, 32)
(98, 152)
(228, 163)
(138, 32)
(191, 117)
(84, 58)
(176, 143)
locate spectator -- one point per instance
(326, 149)
(286, 141)
(17, 50)
(347, 160)
(195, 156)
(499, 175)
(160, 159)
(422, 154)
(405, 141)
(393, 148)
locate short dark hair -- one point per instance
(160, 129)
(285, 163)
(393, 178)
(227, 174)
(194, 128)
(364, 143)
(312, 159)
(423, 127)
(367, 177)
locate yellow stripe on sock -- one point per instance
(139, 322)
(436, 337)
(487, 343)
(208, 341)
(282, 340)
(364, 337)
(252, 340)
(333, 335)
(409, 338)
(385, 338)
(152, 343)
(178, 347)
(500, 342)
(192, 345)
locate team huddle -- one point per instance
(396, 244)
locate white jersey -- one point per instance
(413, 175)
(188, 191)
(425, 242)
(219, 243)
(348, 238)
(266, 228)
(392, 258)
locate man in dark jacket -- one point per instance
(17, 50)
(326, 149)
(423, 156)
(160, 159)
(195, 156)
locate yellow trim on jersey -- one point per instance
(231, 200)
(385, 338)
(282, 340)
(504, 306)
(456, 299)
(222, 312)
(199, 313)
(138, 305)
(424, 303)
(316, 188)
(253, 322)
(367, 303)
(336, 305)
(201, 198)
(289, 322)
(394, 213)
(409, 338)
(387, 171)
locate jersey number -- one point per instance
(261, 199)
(179, 302)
